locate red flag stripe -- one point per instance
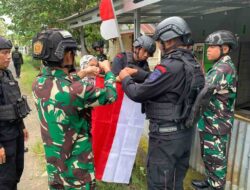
(106, 10)
(104, 122)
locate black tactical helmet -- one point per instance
(4, 43)
(98, 44)
(170, 28)
(145, 42)
(16, 47)
(190, 41)
(51, 44)
(222, 37)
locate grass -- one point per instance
(30, 69)
(38, 150)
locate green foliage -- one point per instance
(28, 16)
(3, 27)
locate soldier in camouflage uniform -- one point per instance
(59, 98)
(216, 122)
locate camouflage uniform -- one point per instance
(66, 136)
(216, 122)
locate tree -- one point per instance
(29, 15)
(3, 27)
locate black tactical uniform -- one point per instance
(13, 108)
(168, 94)
(17, 59)
(126, 59)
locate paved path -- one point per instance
(33, 177)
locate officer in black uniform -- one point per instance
(17, 59)
(13, 108)
(168, 94)
(143, 48)
(98, 47)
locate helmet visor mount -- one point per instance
(63, 46)
(168, 28)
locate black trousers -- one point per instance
(11, 171)
(17, 69)
(168, 159)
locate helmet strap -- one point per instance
(222, 54)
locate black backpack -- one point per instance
(16, 55)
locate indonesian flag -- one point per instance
(109, 26)
(116, 131)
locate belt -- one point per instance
(166, 127)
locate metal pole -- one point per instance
(83, 50)
(118, 29)
(137, 23)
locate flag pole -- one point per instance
(118, 29)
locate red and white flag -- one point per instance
(109, 26)
(116, 130)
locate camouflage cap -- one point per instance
(222, 37)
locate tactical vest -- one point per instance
(14, 105)
(129, 59)
(194, 82)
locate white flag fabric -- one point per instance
(109, 29)
(109, 26)
(127, 137)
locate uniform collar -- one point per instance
(48, 71)
(225, 59)
(178, 51)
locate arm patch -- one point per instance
(154, 75)
(161, 68)
(120, 55)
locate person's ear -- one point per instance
(67, 56)
(225, 49)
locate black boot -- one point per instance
(200, 184)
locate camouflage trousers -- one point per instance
(74, 171)
(213, 152)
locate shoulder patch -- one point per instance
(120, 55)
(154, 75)
(161, 68)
